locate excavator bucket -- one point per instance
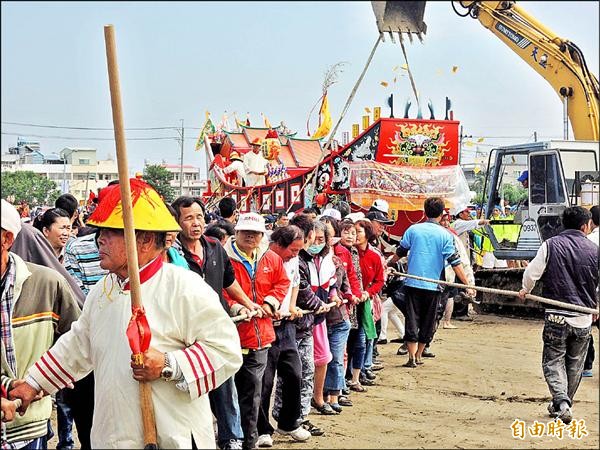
(400, 17)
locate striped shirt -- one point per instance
(82, 260)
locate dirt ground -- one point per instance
(486, 374)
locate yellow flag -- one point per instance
(326, 122)
(480, 140)
(355, 130)
(368, 110)
(267, 123)
(384, 83)
(366, 122)
(376, 113)
(454, 69)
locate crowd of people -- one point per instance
(311, 296)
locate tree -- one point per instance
(159, 178)
(30, 187)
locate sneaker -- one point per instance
(312, 429)
(587, 373)
(299, 434)
(551, 409)
(565, 414)
(402, 350)
(428, 353)
(265, 440)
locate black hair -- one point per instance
(215, 231)
(368, 227)
(185, 202)
(434, 207)
(343, 208)
(284, 236)
(595, 213)
(312, 210)
(303, 222)
(49, 217)
(227, 207)
(575, 217)
(334, 223)
(227, 227)
(68, 203)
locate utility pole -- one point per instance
(182, 136)
(535, 136)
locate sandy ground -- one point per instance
(486, 374)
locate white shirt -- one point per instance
(190, 324)
(292, 269)
(254, 162)
(237, 167)
(594, 236)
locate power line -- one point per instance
(90, 138)
(85, 128)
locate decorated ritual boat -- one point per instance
(403, 161)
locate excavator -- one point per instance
(559, 173)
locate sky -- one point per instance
(180, 59)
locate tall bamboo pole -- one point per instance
(148, 422)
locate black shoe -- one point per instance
(314, 431)
(376, 366)
(410, 363)
(402, 350)
(369, 374)
(365, 381)
(336, 407)
(324, 409)
(382, 341)
(428, 353)
(346, 392)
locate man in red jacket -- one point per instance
(263, 278)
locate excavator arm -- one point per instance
(557, 60)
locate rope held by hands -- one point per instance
(535, 298)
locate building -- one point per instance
(75, 170)
(193, 185)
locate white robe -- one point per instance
(255, 162)
(186, 318)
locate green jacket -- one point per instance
(44, 308)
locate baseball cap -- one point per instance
(251, 222)
(524, 176)
(379, 216)
(381, 205)
(11, 220)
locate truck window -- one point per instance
(545, 179)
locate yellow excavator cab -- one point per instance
(400, 16)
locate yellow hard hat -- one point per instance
(149, 210)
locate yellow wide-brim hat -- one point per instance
(149, 210)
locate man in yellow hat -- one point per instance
(194, 344)
(255, 164)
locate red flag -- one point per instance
(91, 197)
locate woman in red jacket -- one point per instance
(373, 278)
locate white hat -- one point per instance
(11, 220)
(354, 217)
(332, 213)
(381, 205)
(458, 208)
(251, 222)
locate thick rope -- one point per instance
(535, 298)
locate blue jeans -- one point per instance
(65, 423)
(357, 353)
(224, 405)
(338, 336)
(565, 348)
(368, 362)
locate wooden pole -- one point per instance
(535, 298)
(148, 422)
